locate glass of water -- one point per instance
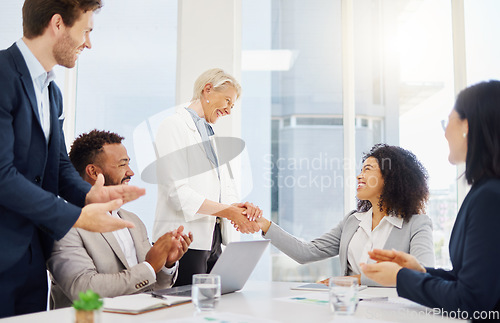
(343, 295)
(205, 291)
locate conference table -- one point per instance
(268, 302)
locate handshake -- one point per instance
(245, 217)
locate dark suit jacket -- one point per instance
(35, 176)
(474, 282)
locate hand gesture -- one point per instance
(401, 258)
(240, 221)
(94, 217)
(178, 249)
(252, 211)
(263, 223)
(100, 193)
(384, 273)
(157, 255)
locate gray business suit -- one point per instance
(87, 260)
(414, 237)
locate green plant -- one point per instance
(88, 301)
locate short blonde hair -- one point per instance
(219, 79)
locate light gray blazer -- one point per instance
(87, 260)
(414, 237)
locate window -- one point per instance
(403, 88)
(127, 77)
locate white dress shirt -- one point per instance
(41, 80)
(128, 247)
(365, 239)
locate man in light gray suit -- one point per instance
(116, 263)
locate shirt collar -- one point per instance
(37, 72)
(201, 124)
(395, 220)
(366, 219)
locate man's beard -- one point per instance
(64, 51)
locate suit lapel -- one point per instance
(26, 80)
(347, 234)
(186, 116)
(113, 243)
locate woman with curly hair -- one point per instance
(392, 192)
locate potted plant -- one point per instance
(87, 307)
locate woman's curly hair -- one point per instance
(405, 189)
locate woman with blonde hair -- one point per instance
(195, 188)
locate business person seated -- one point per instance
(392, 192)
(473, 285)
(116, 263)
(195, 186)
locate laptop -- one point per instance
(234, 266)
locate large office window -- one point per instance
(127, 77)
(403, 89)
(292, 80)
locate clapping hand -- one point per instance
(169, 248)
(178, 249)
(401, 258)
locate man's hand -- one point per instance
(178, 250)
(401, 258)
(100, 193)
(94, 217)
(157, 255)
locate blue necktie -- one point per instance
(209, 150)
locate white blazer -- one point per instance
(186, 177)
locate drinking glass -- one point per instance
(343, 295)
(205, 291)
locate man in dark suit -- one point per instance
(41, 195)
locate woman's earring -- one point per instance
(465, 135)
(209, 102)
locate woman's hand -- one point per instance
(401, 258)
(384, 273)
(239, 220)
(252, 211)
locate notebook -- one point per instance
(234, 266)
(140, 303)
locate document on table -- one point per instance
(322, 298)
(140, 303)
(318, 287)
(222, 317)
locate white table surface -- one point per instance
(265, 300)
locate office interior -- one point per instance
(323, 81)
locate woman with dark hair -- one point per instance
(473, 285)
(392, 191)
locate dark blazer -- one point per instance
(35, 176)
(474, 282)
